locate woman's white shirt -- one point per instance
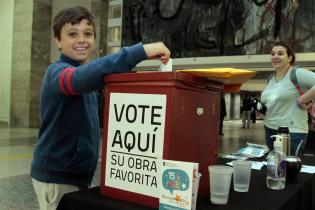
(280, 97)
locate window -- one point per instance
(114, 26)
(116, 12)
(114, 34)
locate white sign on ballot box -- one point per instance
(135, 142)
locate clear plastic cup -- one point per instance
(220, 181)
(241, 175)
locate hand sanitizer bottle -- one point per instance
(276, 166)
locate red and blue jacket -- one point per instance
(67, 148)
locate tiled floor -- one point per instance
(236, 137)
(16, 147)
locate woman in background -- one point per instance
(285, 106)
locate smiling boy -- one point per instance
(66, 153)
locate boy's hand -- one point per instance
(157, 51)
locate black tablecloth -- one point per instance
(297, 196)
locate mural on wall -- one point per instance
(197, 28)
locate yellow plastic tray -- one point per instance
(232, 78)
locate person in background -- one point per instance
(222, 114)
(285, 106)
(246, 110)
(66, 153)
(253, 113)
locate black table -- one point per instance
(297, 196)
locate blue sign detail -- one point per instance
(175, 179)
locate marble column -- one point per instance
(227, 97)
(100, 11)
(30, 58)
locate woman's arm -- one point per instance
(306, 78)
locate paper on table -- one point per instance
(167, 67)
(308, 169)
(235, 157)
(258, 165)
(255, 164)
(252, 152)
(257, 145)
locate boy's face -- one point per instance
(77, 41)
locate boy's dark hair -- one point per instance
(71, 15)
(289, 49)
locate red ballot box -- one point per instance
(151, 116)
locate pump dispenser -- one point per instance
(278, 143)
(276, 166)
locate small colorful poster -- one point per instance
(176, 191)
